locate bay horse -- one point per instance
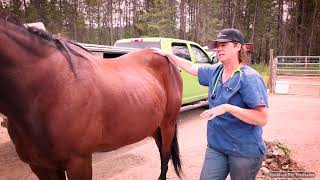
(63, 103)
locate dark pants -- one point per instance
(217, 166)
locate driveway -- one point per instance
(294, 120)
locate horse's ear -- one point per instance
(4, 14)
(10, 18)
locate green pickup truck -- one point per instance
(192, 90)
(191, 51)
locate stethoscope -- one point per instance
(238, 70)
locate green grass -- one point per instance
(263, 70)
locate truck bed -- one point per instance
(104, 51)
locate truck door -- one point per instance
(202, 59)
(192, 90)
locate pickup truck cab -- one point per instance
(191, 51)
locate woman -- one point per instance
(237, 110)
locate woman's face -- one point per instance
(228, 51)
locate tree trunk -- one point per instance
(224, 13)
(182, 30)
(191, 20)
(301, 31)
(266, 53)
(25, 8)
(279, 28)
(110, 10)
(234, 12)
(299, 9)
(254, 21)
(312, 28)
(197, 22)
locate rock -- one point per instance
(264, 164)
(285, 167)
(277, 151)
(264, 170)
(274, 165)
(268, 161)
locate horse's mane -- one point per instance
(46, 37)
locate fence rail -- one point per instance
(298, 65)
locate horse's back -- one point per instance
(145, 64)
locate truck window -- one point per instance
(181, 50)
(108, 54)
(112, 55)
(138, 44)
(201, 57)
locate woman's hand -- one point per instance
(213, 112)
(163, 53)
(178, 61)
(257, 116)
(160, 52)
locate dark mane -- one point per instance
(46, 37)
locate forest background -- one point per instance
(290, 27)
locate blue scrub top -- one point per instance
(226, 133)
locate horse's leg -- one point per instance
(48, 174)
(80, 168)
(157, 138)
(168, 137)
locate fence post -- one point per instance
(272, 69)
(305, 62)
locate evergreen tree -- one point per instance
(156, 21)
(291, 27)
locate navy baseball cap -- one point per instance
(227, 35)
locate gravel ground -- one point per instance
(294, 120)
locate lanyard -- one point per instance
(219, 76)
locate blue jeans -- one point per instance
(217, 166)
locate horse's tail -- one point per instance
(176, 97)
(175, 153)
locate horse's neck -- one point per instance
(22, 80)
(20, 54)
(19, 45)
(15, 89)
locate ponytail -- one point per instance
(243, 55)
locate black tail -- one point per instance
(175, 153)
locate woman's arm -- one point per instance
(256, 116)
(180, 62)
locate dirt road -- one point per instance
(294, 120)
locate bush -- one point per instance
(264, 71)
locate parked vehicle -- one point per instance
(192, 90)
(104, 51)
(212, 54)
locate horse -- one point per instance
(63, 103)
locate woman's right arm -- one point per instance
(180, 62)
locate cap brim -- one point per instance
(212, 44)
